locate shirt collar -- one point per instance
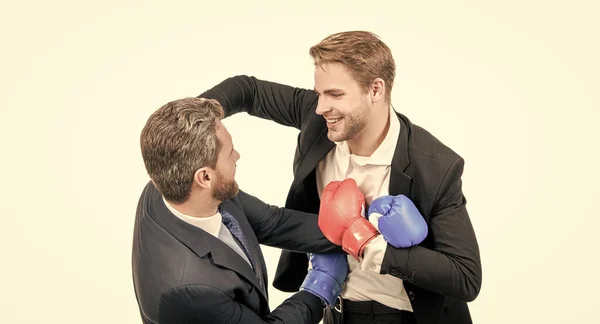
(211, 224)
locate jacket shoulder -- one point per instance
(160, 262)
(432, 163)
(422, 144)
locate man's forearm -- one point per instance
(449, 275)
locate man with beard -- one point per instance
(349, 129)
(196, 256)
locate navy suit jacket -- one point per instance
(182, 274)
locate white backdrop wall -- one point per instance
(512, 86)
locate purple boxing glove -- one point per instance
(398, 220)
(328, 273)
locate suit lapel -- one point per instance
(203, 243)
(228, 258)
(316, 153)
(399, 181)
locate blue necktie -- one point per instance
(234, 227)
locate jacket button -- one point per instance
(411, 295)
(394, 272)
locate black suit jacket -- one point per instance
(446, 266)
(182, 274)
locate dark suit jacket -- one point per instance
(182, 274)
(446, 266)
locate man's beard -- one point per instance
(353, 123)
(225, 189)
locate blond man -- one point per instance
(349, 129)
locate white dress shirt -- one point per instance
(372, 174)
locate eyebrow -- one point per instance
(329, 91)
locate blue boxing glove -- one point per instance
(398, 220)
(328, 273)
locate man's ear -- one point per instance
(378, 90)
(203, 177)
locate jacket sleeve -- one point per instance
(285, 228)
(282, 104)
(453, 266)
(204, 304)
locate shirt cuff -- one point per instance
(373, 254)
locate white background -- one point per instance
(512, 86)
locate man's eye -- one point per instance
(336, 95)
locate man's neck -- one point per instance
(197, 206)
(369, 139)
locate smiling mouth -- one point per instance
(333, 121)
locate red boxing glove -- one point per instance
(341, 217)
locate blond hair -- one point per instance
(363, 53)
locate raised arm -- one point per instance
(205, 304)
(285, 228)
(453, 266)
(282, 104)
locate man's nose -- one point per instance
(322, 106)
